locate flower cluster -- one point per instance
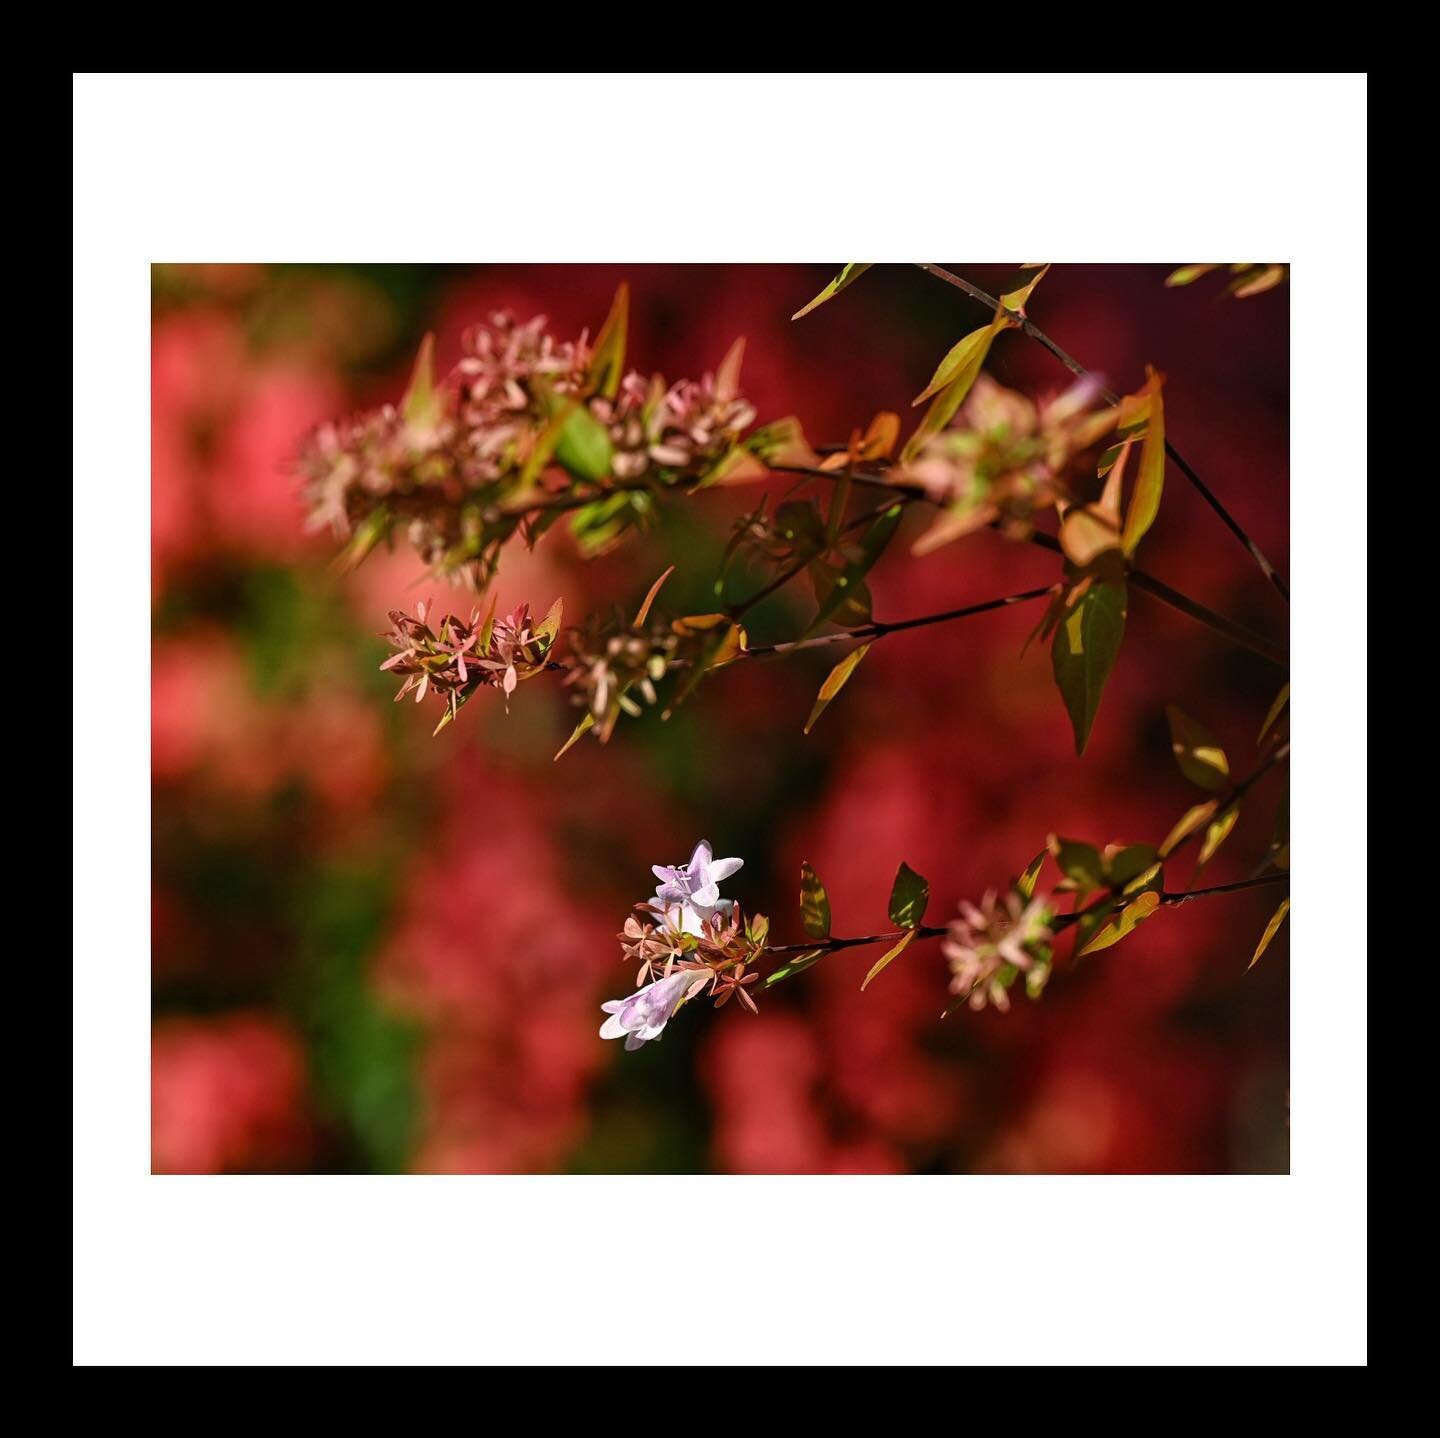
(689, 941)
(458, 656)
(521, 414)
(988, 946)
(612, 669)
(690, 426)
(1006, 459)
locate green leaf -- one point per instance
(1189, 822)
(840, 599)
(1271, 929)
(796, 965)
(1202, 761)
(421, 405)
(814, 904)
(834, 683)
(1188, 274)
(607, 360)
(1079, 862)
(549, 627)
(842, 281)
(908, 896)
(962, 367)
(879, 965)
(1281, 702)
(1150, 480)
(1019, 297)
(1217, 833)
(1083, 652)
(859, 562)
(1128, 919)
(1129, 863)
(1025, 884)
(583, 446)
(368, 533)
(583, 727)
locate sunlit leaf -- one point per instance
(421, 404)
(1019, 297)
(1025, 884)
(368, 533)
(1090, 530)
(797, 965)
(1150, 476)
(1218, 832)
(727, 642)
(1257, 280)
(549, 627)
(1191, 820)
(1125, 922)
(880, 964)
(850, 606)
(782, 445)
(643, 613)
(1188, 274)
(607, 360)
(1281, 703)
(1271, 929)
(582, 728)
(834, 683)
(960, 368)
(842, 281)
(1083, 652)
(814, 904)
(1202, 761)
(727, 377)
(908, 896)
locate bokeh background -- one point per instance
(376, 951)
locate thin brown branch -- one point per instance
(1076, 368)
(933, 931)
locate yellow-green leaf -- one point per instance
(1025, 884)
(549, 627)
(1217, 833)
(583, 727)
(1079, 862)
(1271, 929)
(583, 445)
(1129, 918)
(1282, 700)
(961, 367)
(1019, 297)
(421, 405)
(881, 963)
(1188, 274)
(1083, 652)
(797, 965)
(607, 360)
(842, 281)
(908, 896)
(1202, 761)
(834, 683)
(1189, 822)
(1150, 478)
(814, 904)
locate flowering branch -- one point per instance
(1019, 319)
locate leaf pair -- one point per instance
(909, 895)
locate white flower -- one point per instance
(645, 1013)
(688, 895)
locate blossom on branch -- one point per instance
(988, 945)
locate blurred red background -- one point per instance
(378, 951)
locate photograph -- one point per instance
(857, 706)
(700, 773)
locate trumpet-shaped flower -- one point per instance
(643, 1015)
(689, 894)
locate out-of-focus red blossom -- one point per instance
(227, 1096)
(502, 964)
(225, 429)
(207, 723)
